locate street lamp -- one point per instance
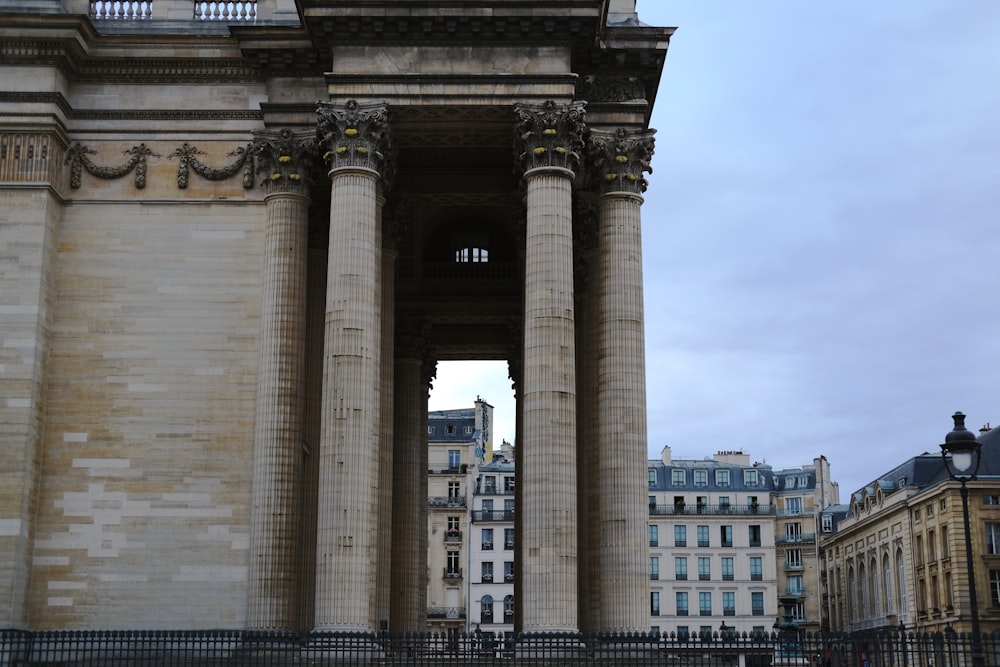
(961, 453)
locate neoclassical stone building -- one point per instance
(235, 237)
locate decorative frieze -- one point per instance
(188, 162)
(27, 157)
(354, 135)
(549, 135)
(611, 89)
(286, 159)
(620, 157)
(77, 158)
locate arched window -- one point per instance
(863, 591)
(472, 248)
(486, 614)
(852, 591)
(876, 588)
(890, 600)
(900, 582)
(508, 609)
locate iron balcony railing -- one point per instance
(446, 612)
(446, 501)
(795, 539)
(695, 510)
(487, 515)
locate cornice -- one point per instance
(128, 114)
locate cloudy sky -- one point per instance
(821, 233)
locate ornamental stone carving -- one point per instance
(77, 158)
(549, 135)
(620, 157)
(188, 161)
(286, 160)
(355, 135)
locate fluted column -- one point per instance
(620, 158)
(409, 494)
(286, 159)
(386, 419)
(346, 535)
(549, 142)
(588, 502)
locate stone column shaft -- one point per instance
(409, 521)
(279, 429)
(348, 493)
(386, 437)
(621, 157)
(548, 544)
(621, 395)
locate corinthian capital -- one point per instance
(355, 135)
(620, 158)
(285, 159)
(549, 135)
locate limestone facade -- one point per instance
(218, 233)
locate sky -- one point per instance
(820, 234)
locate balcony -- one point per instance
(446, 502)
(496, 515)
(508, 546)
(795, 539)
(452, 574)
(707, 510)
(487, 579)
(794, 567)
(455, 613)
(509, 578)
(795, 593)
(453, 536)
(487, 546)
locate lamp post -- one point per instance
(961, 453)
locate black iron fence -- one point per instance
(263, 649)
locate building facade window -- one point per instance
(727, 568)
(722, 478)
(678, 477)
(486, 609)
(654, 603)
(703, 536)
(680, 536)
(680, 568)
(750, 478)
(726, 535)
(651, 474)
(995, 587)
(795, 584)
(454, 458)
(487, 539)
(756, 568)
(654, 567)
(993, 539)
(508, 609)
(453, 563)
(682, 603)
(793, 532)
(704, 568)
(705, 603)
(793, 505)
(490, 484)
(654, 536)
(754, 532)
(487, 573)
(701, 478)
(757, 603)
(827, 522)
(728, 603)
(508, 571)
(454, 489)
(793, 559)
(991, 499)
(508, 538)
